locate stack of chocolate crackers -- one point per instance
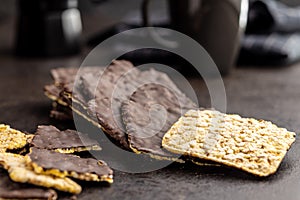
(144, 112)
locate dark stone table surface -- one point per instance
(270, 93)
(267, 93)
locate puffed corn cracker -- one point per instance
(11, 139)
(255, 146)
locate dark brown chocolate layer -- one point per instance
(150, 113)
(111, 123)
(117, 83)
(105, 107)
(76, 90)
(92, 82)
(100, 94)
(62, 76)
(53, 91)
(49, 137)
(64, 79)
(66, 162)
(12, 190)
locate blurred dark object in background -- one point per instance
(6, 9)
(272, 34)
(48, 28)
(260, 19)
(216, 24)
(273, 49)
(267, 16)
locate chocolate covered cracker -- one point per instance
(105, 109)
(116, 85)
(77, 94)
(20, 172)
(149, 114)
(65, 165)
(68, 141)
(64, 79)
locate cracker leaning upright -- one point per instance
(255, 146)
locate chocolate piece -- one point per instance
(149, 114)
(12, 190)
(103, 84)
(49, 162)
(62, 76)
(116, 85)
(102, 87)
(52, 91)
(98, 96)
(68, 141)
(77, 96)
(75, 92)
(109, 122)
(20, 172)
(64, 82)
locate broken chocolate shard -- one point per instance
(66, 165)
(68, 141)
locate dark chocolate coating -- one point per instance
(62, 76)
(49, 137)
(116, 85)
(146, 127)
(53, 90)
(66, 162)
(91, 84)
(105, 107)
(64, 79)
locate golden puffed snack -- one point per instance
(11, 139)
(255, 146)
(19, 172)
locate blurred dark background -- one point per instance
(234, 32)
(41, 28)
